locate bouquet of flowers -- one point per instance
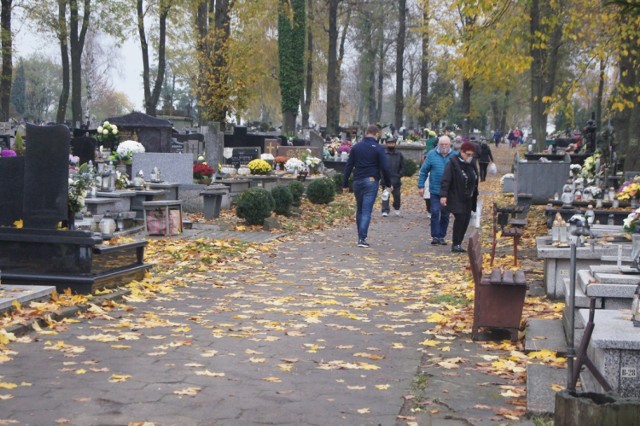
(312, 163)
(108, 133)
(294, 165)
(202, 170)
(591, 167)
(595, 191)
(345, 147)
(8, 153)
(259, 167)
(125, 151)
(632, 223)
(281, 159)
(267, 157)
(80, 181)
(629, 190)
(575, 169)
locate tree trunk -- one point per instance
(289, 121)
(151, 97)
(76, 37)
(223, 32)
(201, 25)
(399, 106)
(424, 72)
(626, 135)
(333, 90)
(466, 106)
(7, 62)
(305, 102)
(600, 95)
(543, 67)
(64, 56)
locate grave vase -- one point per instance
(71, 220)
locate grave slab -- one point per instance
(177, 168)
(615, 350)
(22, 293)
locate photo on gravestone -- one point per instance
(244, 155)
(46, 176)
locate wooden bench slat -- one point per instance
(507, 277)
(496, 276)
(519, 278)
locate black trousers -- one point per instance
(460, 225)
(483, 171)
(395, 194)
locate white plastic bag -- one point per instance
(426, 194)
(475, 216)
(385, 195)
(492, 170)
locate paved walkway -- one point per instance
(313, 331)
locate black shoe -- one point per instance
(363, 244)
(458, 249)
(435, 242)
(442, 241)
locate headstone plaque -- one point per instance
(46, 176)
(244, 155)
(296, 151)
(271, 146)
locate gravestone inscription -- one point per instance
(244, 155)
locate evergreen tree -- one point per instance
(18, 90)
(291, 42)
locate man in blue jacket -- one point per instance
(368, 161)
(433, 167)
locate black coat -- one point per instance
(460, 185)
(485, 153)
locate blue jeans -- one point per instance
(439, 218)
(365, 191)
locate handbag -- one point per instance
(493, 169)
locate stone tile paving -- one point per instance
(314, 332)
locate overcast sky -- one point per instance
(127, 79)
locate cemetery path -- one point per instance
(312, 331)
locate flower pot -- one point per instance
(205, 181)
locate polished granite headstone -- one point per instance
(46, 176)
(39, 253)
(84, 147)
(11, 189)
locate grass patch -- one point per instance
(450, 299)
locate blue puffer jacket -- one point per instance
(433, 167)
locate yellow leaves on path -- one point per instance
(209, 373)
(190, 391)
(451, 363)
(68, 350)
(6, 337)
(117, 378)
(272, 379)
(343, 365)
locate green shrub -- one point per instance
(410, 167)
(337, 179)
(254, 205)
(321, 191)
(283, 199)
(297, 190)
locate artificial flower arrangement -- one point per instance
(595, 191)
(629, 190)
(294, 165)
(108, 132)
(575, 169)
(345, 147)
(267, 157)
(281, 159)
(125, 151)
(8, 153)
(80, 181)
(259, 167)
(632, 222)
(202, 170)
(122, 180)
(312, 162)
(591, 167)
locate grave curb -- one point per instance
(67, 312)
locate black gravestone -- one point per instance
(46, 176)
(244, 155)
(11, 189)
(84, 147)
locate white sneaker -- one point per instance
(428, 215)
(397, 212)
(385, 214)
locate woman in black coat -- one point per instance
(459, 192)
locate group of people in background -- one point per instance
(448, 181)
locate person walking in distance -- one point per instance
(395, 160)
(368, 162)
(484, 158)
(459, 192)
(433, 168)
